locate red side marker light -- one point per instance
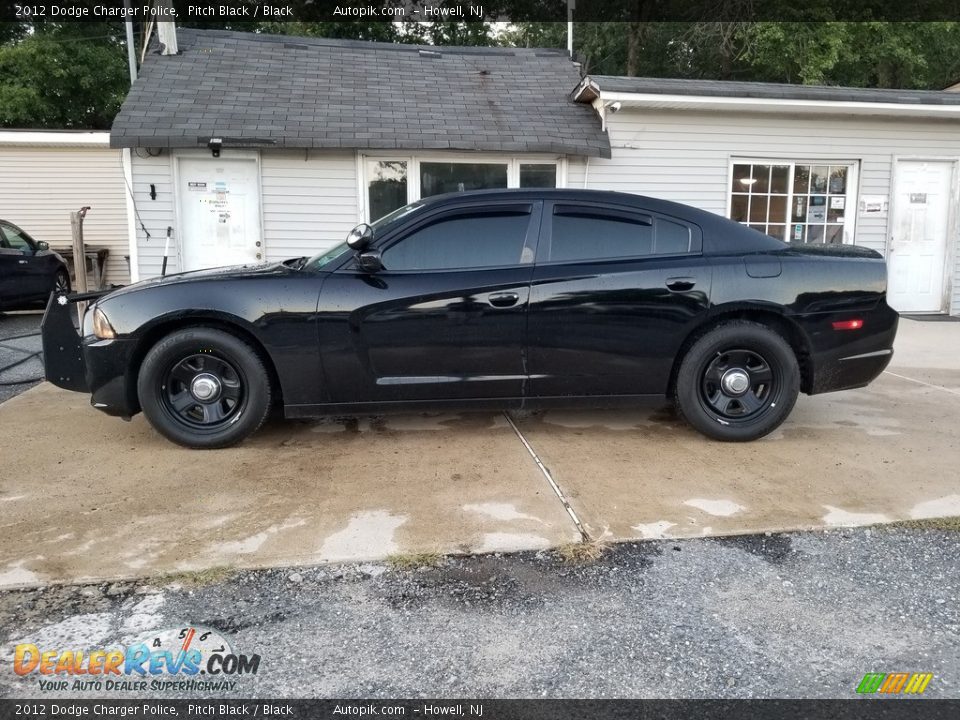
(848, 325)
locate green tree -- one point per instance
(63, 76)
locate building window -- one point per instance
(794, 201)
(392, 182)
(538, 175)
(444, 177)
(386, 187)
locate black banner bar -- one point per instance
(857, 709)
(247, 11)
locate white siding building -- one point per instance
(46, 175)
(871, 167)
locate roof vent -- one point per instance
(430, 54)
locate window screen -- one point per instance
(462, 242)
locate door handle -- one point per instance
(21, 262)
(679, 284)
(503, 300)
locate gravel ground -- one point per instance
(790, 615)
(14, 348)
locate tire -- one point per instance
(709, 391)
(61, 281)
(204, 388)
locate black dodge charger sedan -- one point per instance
(493, 299)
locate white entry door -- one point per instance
(219, 206)
(918, 244)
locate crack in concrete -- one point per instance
(584, 535)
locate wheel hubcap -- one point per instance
(735, 382)
(738, 384)
(205, 387)
(204, 392)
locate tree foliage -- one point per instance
(63, 76)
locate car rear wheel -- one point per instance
(738, 382)
(204, 388)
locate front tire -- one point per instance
(204, 388)
(738, 382)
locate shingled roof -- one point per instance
(590, 86)
(257, 90)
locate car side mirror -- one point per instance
(370, 261)
(360, 237)
(42, 245)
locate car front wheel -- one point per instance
(738, 382)
(204, 388)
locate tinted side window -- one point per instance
(462, 242)
(672, 237)
(597, 234)
(16, 239)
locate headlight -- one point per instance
(102, 327)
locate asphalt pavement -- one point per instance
(20, 366)
(794, 615)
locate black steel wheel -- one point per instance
(738, 382)
(204, 388)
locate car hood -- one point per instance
(233, 272)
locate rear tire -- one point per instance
(738, 382)
(204, 388)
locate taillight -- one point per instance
(848, 324)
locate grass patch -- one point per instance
(582, 553)
(414, 561)
(951, 523)
(194, 578)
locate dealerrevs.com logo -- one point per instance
(183, 658)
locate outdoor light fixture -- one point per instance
(215, 144)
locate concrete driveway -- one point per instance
(84, 496)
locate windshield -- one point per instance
(321, 259)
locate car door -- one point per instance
(28, 278)
(446, 316)
(615, 291)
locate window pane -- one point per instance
(387, 186)
(437, 178)
(835, 234)
(738, 208)
(777, 231)
(801, 179)
(779, 179)
(799, 208)
(761, 173)
(464, 241)
(838, 180)
(582, 237)
(817, 209)
(672, 238)
(758, 209)
(778, 208)
(819, 178)
(815, 233)
(741, 178)
(16, 239)
(538, 176)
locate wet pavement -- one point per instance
(85, 496)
